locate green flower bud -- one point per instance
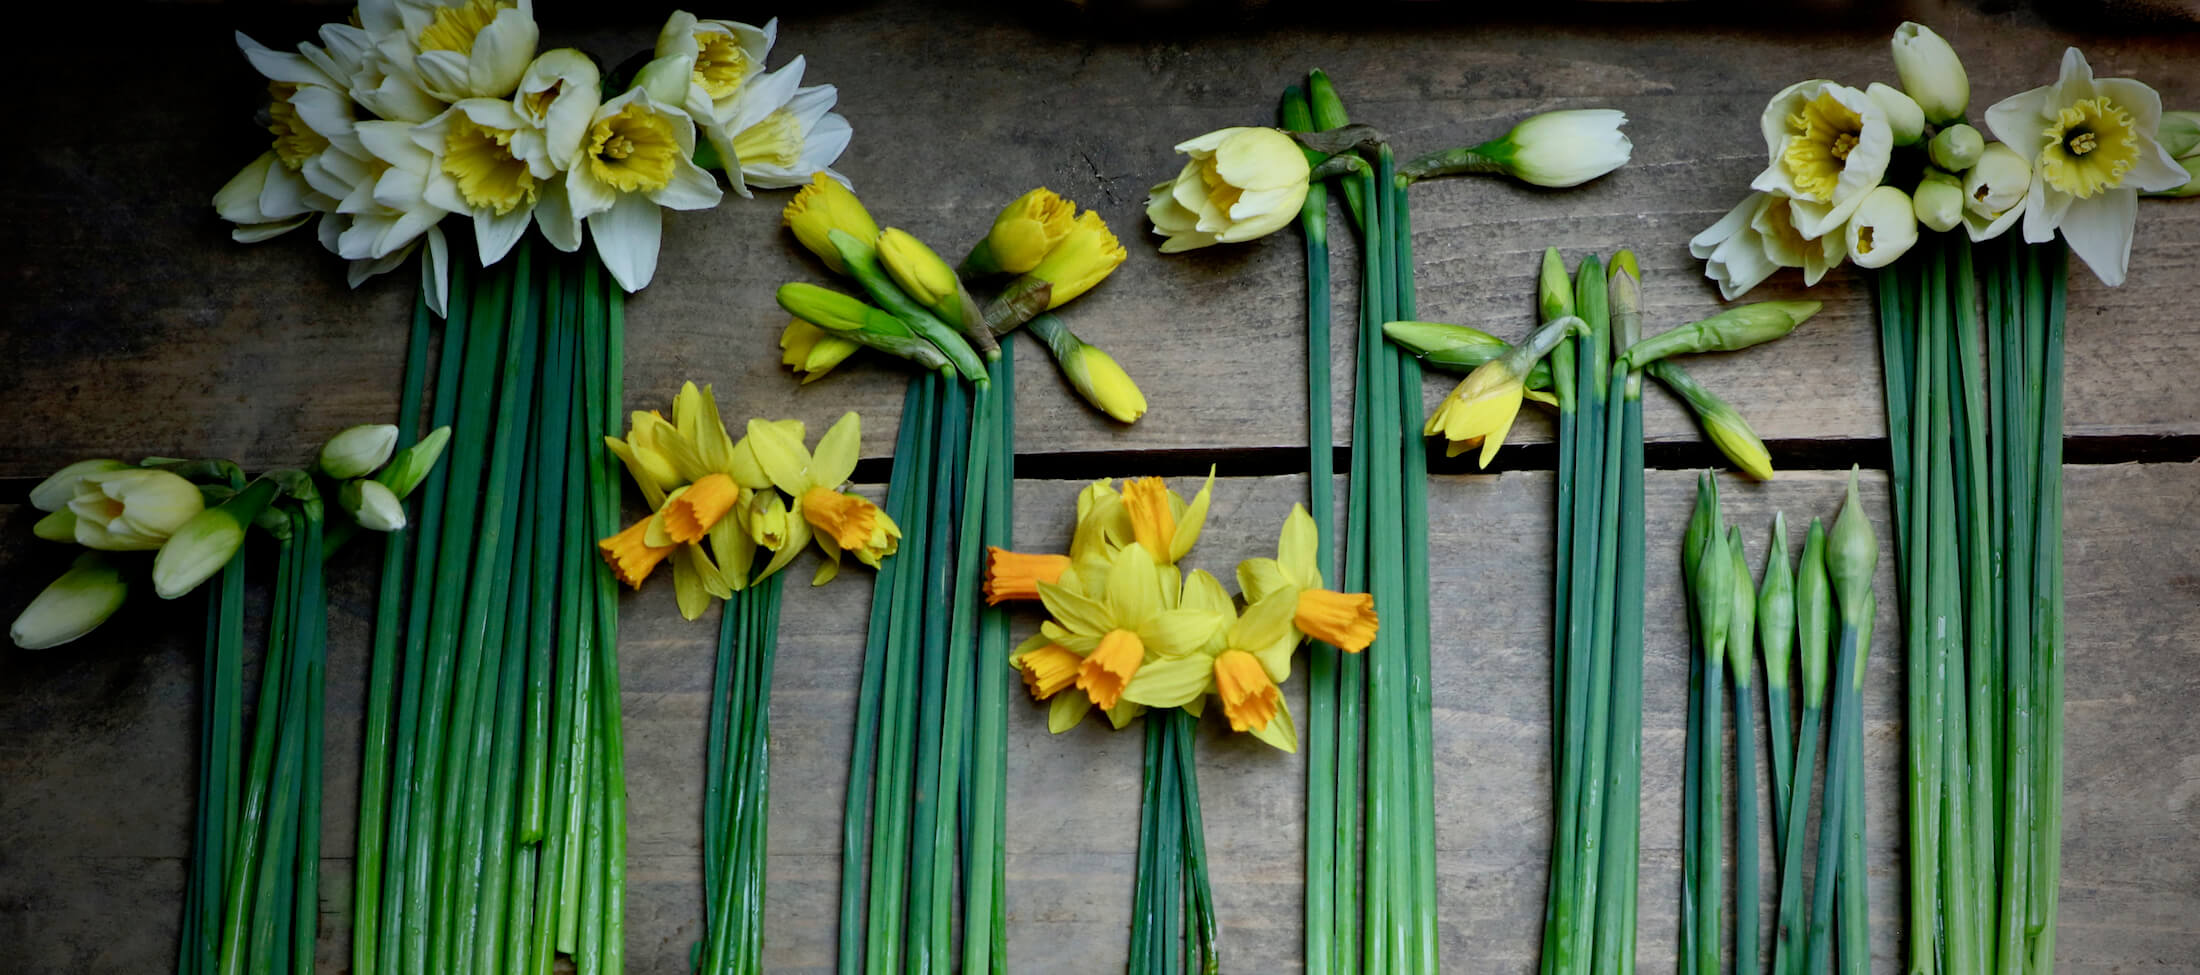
(358, 451)
(1713, 592)
(1702, 522)
(1814, 615)
(1852, 556)
(53, 493)
(1623, 301)
(1554, 289)
(1721, 421)
(1731, 330)
(2179, 133)
(373, 505)
(72, 605)
(1457, 348)
(1904, 118)
(853, 319)
(1741, 640)
(1776, 607)
(1938, 205)
(412, 464)
(208, 541)
(1956, 148)
(862, 260)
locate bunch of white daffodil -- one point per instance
(426, 108)
(193, 516)
(2074, 156)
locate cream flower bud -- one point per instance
(53, 493)
(1241, 183)
(1939, 205)
(1994, 191)
(72, 606)
(1561, 149)
(373, 505)
(1931, 73)
(1957, 148)
(1904, 118)
(132, 510)
(358, 451)
(208, 541)
(1882, 229)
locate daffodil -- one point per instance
(557, 99)
(822, 508)
(349, 54)
(1087, 254)
(309, 118)
(1481, 409)
(1759, 237)
(478, 172)
(723, 56)
(635, 161)
(132, 508)
(1129, 626)
(1829, 145)
(778, 133)
(811, 351)
(1160, 521)
(457, 49)
(1093, 373)
(1013, 576)
(1241, 183)
(2093, 148)
(1342, 620)
(823, 206)
(1995, 191)
(696, 481)
(1022, 233)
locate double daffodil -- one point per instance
(1829, 146)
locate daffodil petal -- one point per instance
(1169, 683)
(835, 460)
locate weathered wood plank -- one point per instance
(135, 326)
(93, 884)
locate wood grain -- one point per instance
(135, 326)
(96, 766)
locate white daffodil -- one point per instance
(557, 98)
(1829, 145)
(1755, 239)
(1883, 228)
(401, 216)
(309, 115)
(722, 56)
(476, 173)
(456, 49)
(637, 156)
(1994, 192)
(349, 55)
(777, 133)
(2093, 149)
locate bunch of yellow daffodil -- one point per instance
(715, 501)
(420, 109)
(1129, 630)
(2073, 157)
(918, 307)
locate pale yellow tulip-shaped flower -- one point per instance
(1241, 183)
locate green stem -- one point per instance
(1791, 937)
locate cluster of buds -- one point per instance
(194, 515)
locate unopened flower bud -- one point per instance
(1938, 205)
(823, 207)
(1731, 330)
(1093, 373)
(1813, 615)
(1852, 556)
(852, 319)
(358, 451)
(1884, 228)
(1904, 118)
(208, 541)
(132, 509)
(1776, 607)
(1721, 421)
(373, 505)
(1956, 148)
(2179, 133)
(72, 605)
(1994, 191)
(1931, 73)
(53, 493)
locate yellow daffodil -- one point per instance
(1480, 411)
(1243, 659)
(1015, 576)
(1023, 233)
(1241, 183)
(1829, 145)
(1342, 620)
(2093, 148)
(1160, 520)
(1127, 626)
(1087, 255)
(812, 351)
(823, 207)
(632, 559)
(839, 521)
(691, 473)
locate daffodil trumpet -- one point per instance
(861, 260)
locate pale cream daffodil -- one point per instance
(1828, 144)
(1562, 149)
(557, 98)
(723, 55)
(823, 509)
(635, 161)
(476, 172)
(349, 54)
(776, 133)
(456, 49)
(2093, 149)
(1995, 192)
(132, 509)
(1241, 183)
(1755, 239)
(72, 605)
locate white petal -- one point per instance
(2017, 120)
(253, 233)
(494, 235)
(238, 201)
(627, 237)
(586, 194)
(283, 66)
(2099, 231)
(554, 214)
(435, 272)
(2044, 207)
(443, 74)
(501, 53)
(764, 94)
(2156, 169)
(2143, 102)
(1701, 245)
(691, 188)
(284, 194)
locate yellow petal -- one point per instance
(783, 458)
(1074, 610)
(1133, 590)
(1202, 591)
(1298, 550)
(1194, 517)
(835, 460)
(1065, 710)
(1259, 577)
(1281, 733)
(1184, 632)
(1170, 683)
(1266, 626)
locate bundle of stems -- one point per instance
(737, 773)
(1370, 770)
(221, 755)
(1172, 907)
(492, 807)
(1978, 494)
(925, 810)
(1589, 920)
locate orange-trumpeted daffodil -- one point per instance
(837, 520)
(1125, 626)
(1016, 575)
(1159, 518)
(700, 497)
(631, 558)
(1345, 620)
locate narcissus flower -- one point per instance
(1160, 520)
(695, 480)
(55, 492)
(459, 48)
(133, 509)
(208, 541)
(779, 132)
(1759, 237)
(1829, 145)
(723, 55)
(1126, 626)
(811, 351)
(1047, 669)
(557, 98)
(1016, 575)
(1241, 183)
(1481, 409)
(823, 207)
(1085, 257)
(1343, 620)
(371, 504)
(635, 163)
(72, 605)
(358, 451)
(2094, 148)
(1931, 73)
(1883, 228)
(1023, 233)
(1561, 149)
(1995, 191)
(478, 172)
(632, 559)
(841, 522)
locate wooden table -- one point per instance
(135, 327)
